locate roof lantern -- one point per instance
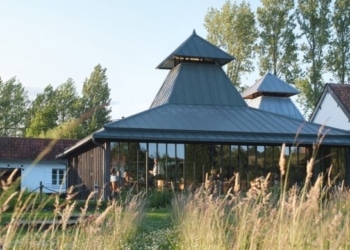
(196, 50)
(270, 85)
(272, 94)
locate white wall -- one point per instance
(32, 175)
(331, 114)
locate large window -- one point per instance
(57, 176)
(189, 164)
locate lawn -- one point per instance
(155, 232)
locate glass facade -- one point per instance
(188, 165)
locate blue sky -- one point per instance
(47, 42)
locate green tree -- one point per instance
(53, 110)
(43, 114)
(66, 102)
(339, 53)
(233, 29)
(68, 111)
(278, 47)
(14, 103)
(95, 102)
(314, 21)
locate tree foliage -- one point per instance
(14, 102)
(67, 112)
(314, 21)
(338, 59)
(95, 101)
(61, 113)
(233, 29)
(278, 47)
(67, 102)
(43, 114)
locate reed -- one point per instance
(63, 228)
(314, 216)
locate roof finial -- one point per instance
(194, 32)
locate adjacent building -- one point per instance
(333, 107)
(35, 162)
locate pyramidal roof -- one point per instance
(269, 85)
(195, 48)
(272, 94)
(198, 84)
(197, 77)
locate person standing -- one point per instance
(113, 180)
(157, 168)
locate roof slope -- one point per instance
(198, 84)
(196, 47)
(270, 85)
(210, 123)
(340, 93)
(16, 148)
(278, 105)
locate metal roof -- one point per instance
(278, 105)
(196, 103)
(196, 47)
(269, 85)
(217, 123)
(198, 84)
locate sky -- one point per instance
(47, 42)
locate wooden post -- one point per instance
(146, 172)
(41, 186)
(106, 171)
(137, 171)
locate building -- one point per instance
(35, 161)
(333, 107)
(272, 94)
(199, 122)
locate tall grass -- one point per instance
(67, 226)
(315, 216)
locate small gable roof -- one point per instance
(198, 48)
(340, 93)
(269, 85)
(18, 148)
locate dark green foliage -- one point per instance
(338, 58)
(278, 47)
(159, 199)
(14, 102)
(314, 22)
(233, 29)
(61, 113)
(94, 102)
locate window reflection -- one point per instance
(191, 163)
(338, 172)
(243, 166)
(180, 163)
(141, 164)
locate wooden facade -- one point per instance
(86, 172)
